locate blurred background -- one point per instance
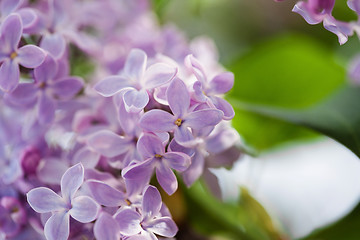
(308, 183)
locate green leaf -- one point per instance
(346, 228)
(337, 117)
(291, 71)
(243, 220)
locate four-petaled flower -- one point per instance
(82, 208)
(149, 221)
(136, 80)
(153, 152)
(29, 56)
(182, 118)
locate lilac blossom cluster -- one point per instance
(77, 154)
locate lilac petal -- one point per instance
(106, 227)
(142, 237)
(51, 171)
(128, 120)
(203, 118)
(44, 200)
(139, 170)
(309, 15)
(9, 6)
(178, 161)
(341, 29)
(9, 75)
(128, 221)
(212, 182)
(151, 203)
(195, 66)
(67, 88)
(354, 5)
(157, 121)
(222, 83)
(104, 194)
(58, 226)
(195, 170)
(223, 139)
(166, 178)
(178, 97)
(88, 158)
(47, 70)
(163, 226)
(135, 187)
(158, 74)
(135, 65)
(30, 56)
(198, 92)
(182, 135)
(55, 44)
(111, 85)
(176, 147)
(28, 17)
(71, 181)
(84, 209)
(149, 145)
(108, 143)
(224, 106)
(11, 31)
(135, 100)
(46, 110)
(24, 94)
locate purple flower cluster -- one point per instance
(77, 154)
(317, 11)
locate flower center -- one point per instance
(13, 55)
(42, 85)
(178, 122)
(158, 156)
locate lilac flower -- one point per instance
(182, 118)
(136, 80)
(317, 11)
(12, 216)
(46, 90)
(27, 15)
(208, 90)
(82, 208)
(153, 152)
(29, 56)
(149, 221)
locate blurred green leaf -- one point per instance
(291, 71)
(159, 7)
(346, 228)
(337, 117)
(243, 220)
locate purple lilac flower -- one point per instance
(208, 91)
(136, 80)
(46, 90)
(12, 216)
(153, 152)
(149, 221)
(82, 208)
(182, 118)
(317, 11)
(11, 56)
(27, 15)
